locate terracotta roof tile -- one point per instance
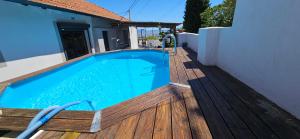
(82, 6)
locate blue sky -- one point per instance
(149, 10)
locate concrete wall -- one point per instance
(190, 38)
(100, 25)
(29, 39)
(113, 33)
(208, 45)
(262, 49)
(98, 39)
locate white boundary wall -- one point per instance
(261, 49)
(190, 38)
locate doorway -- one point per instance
(74, 43)
(105, 38)
(74, 39)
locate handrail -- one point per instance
(164, 42)
(45, 115)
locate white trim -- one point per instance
(181, 85)
(96, 123)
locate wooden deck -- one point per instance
(215, 106)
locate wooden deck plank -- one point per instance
(20, 123)
(2, 87)
(256, 125)
(3, 132)
(197, 121)
(163, 127)
(109, 133)
(50, 135)
(132, 102)
(146, 124)
(10, 135)
(128, 127)
(28, 113)
(133, 109)
(270, 114)
(173, 71)
(232, 120)
(87, 136)
(215, 121)
(180, 121)
(199, 130)
(183, 79)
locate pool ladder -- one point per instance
(164, 43)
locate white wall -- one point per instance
(190, 38)
(29, 39)
(262, 49)
(99, 40)
(208, 45)
(20, 67)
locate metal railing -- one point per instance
(164, 42)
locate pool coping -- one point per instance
(5, 84)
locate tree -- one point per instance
(192, 19)
(220, 15)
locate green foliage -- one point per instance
(152, 38)
(192, 19)
(171, 44)
(168, 44)
(220, 15)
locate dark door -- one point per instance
(105, 38)
(74, 43)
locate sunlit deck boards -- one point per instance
(216, 106)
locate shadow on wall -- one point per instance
(2, 61)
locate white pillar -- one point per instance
(133, 37)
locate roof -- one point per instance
(151, 24)
(78, 6)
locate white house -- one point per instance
(35, 34)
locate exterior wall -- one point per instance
(100, 25)
(113, 33)
(262, 50)
(190, 38)
(24, 66)
(98, 39)
(29, 38)
(208, 45)
(133, 37)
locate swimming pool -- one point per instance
(105, 79)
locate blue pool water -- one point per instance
(105, 80)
